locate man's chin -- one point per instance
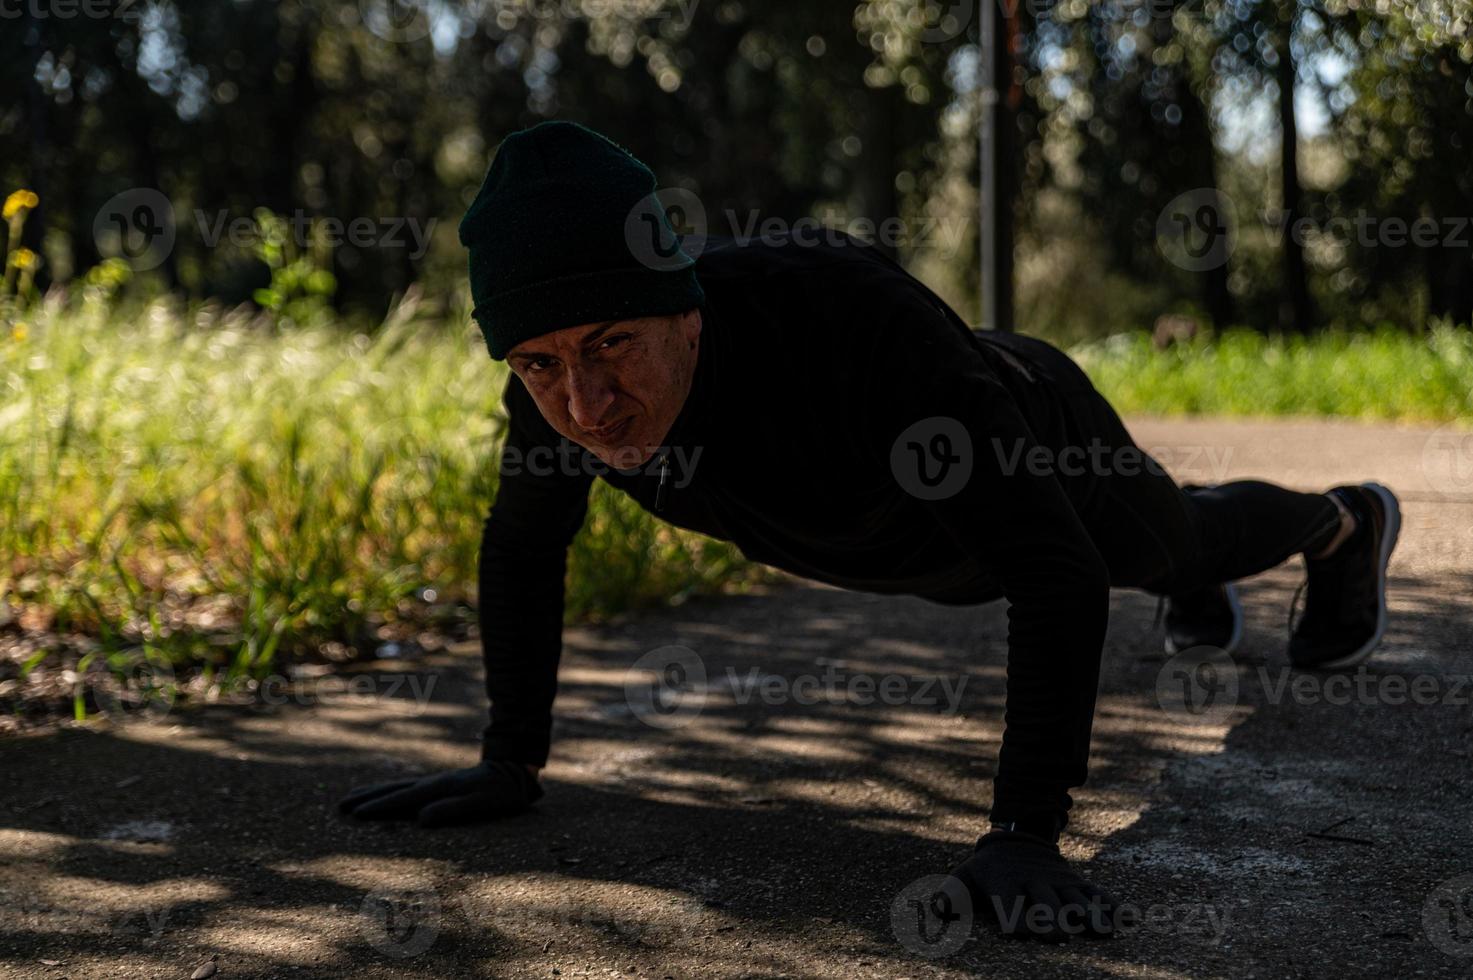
(623, 457)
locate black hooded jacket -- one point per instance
(813, 360)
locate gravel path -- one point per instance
(838, 749)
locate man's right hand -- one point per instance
(1024, 884)
(492, 789)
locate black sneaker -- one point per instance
(1345, 605)
(1210, 617)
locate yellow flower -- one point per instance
(23, 258)
(18, 200)
(18, 332)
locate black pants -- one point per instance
(1153, 533)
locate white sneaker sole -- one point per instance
(1389, 534)
(1235, 638)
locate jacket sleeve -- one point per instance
(1012, 517)
(541, 500)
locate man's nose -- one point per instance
(589, 398)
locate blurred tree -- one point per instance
(1259, 45)
(1403, 119)
(1132, 80)
(1296, 311)
(387, 111)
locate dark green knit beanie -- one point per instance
(567, 230)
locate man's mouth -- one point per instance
(610, 431)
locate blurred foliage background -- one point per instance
(244, 418)
(389, 110)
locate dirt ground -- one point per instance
(775, 820)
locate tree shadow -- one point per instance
(768, 832)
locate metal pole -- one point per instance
(987, 153)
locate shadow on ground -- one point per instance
(761, 835)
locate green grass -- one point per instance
(204, 490)
(1385, 374)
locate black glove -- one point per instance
(492, 789)
(1025, 885)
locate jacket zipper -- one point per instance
(660, 490)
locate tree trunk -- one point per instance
(879, 202)
(999, 122)
(1295, 312)
(36, 110)
(1201, 171)
(1449, 285)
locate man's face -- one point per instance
(613, 388)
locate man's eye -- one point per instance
(613, 341)
(542, 364)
